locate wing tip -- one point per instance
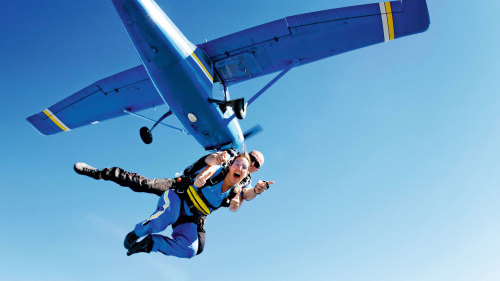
(418, 14)
(43, 127)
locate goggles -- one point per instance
(255, 162)
(239, 163)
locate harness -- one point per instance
(195, 199)
(200, 163)
(198, 204)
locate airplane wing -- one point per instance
(244, 55)
(309, 37)
(130, 90)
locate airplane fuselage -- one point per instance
(181, 72)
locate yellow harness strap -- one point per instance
(197, 201)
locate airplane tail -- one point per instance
(252, 132)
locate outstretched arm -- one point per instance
(261, 186)
(248, 194)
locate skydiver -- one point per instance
(182, 206)
(139, 183)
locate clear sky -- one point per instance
(386, 158)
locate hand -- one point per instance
(217, 158)
(262, 186)
(199, 181)
(222, 157)
(235, 203)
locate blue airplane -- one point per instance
(180, 74)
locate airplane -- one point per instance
(181, 75)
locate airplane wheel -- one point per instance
(240, 108)
(146, 135)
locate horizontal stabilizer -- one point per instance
(252, 132)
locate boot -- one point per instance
(130, 239)
(87, 170)
(145, 245)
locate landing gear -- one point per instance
(240, 108)
(146, 135)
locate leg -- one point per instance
(137, 182)
(167, 212)
(183, 244)
(200, 224)
(134, 181)
(184, 241)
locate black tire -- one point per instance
(146, 135)
(240, 108)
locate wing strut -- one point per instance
(154, 121)
(275, 79)
(267, 86)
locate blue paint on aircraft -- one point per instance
(182, 74)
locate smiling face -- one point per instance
(237, 171)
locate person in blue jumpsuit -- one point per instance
(139, 183)
(179, 207)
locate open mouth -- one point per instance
(237, 175)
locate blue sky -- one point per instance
(386, 158)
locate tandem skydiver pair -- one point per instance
(220, 179)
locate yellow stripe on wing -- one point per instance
(56, 120)
(390, 20)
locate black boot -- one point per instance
(130, 239)
(87, 170)
(145, 245)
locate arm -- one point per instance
(261, 186)
(217, 158)
(248, 193)
(204, 175)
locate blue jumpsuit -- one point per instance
(184, 241)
